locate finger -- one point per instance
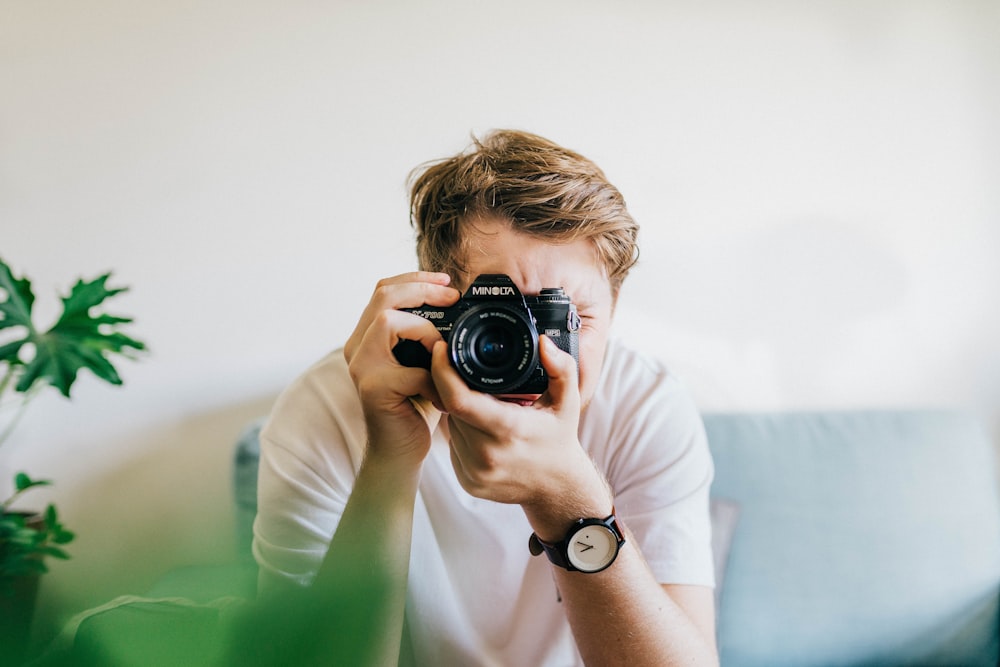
(400, 325)
(408, 290)
(437, 277)
(393, 326)
(477, 409)
(390, 388)
(561, 367)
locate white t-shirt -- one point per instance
(476, 596)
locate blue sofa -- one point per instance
(842, 538)
(863, 538)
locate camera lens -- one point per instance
(494, 348)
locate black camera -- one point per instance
(492, 335)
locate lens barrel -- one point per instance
(494, 347)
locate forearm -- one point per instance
(622, 616)
(363, 578)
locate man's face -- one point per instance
(533, 264)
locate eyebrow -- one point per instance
(584, 304)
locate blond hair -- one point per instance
(539, 187)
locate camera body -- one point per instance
(492, 335)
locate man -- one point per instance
(434, 497)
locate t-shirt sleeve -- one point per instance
(657, 460)
(309, 459)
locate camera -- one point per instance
(492, 335)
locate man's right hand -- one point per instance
(396, 429)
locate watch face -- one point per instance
(592, 548)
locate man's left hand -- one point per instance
(524, 454)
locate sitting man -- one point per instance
(564, 523)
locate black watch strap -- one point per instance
(558, 552)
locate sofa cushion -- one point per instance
(245, 463)
(864, 538)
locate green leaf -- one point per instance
(10, 524)
(26, 538)
(55, 552)
(62, 536)
(86, 295)
(9, 351)
(17, 300)
(78, 339)
(22, 482)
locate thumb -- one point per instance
(563, 374)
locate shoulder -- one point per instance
(641, 413)
(634, 380)
(317, 412)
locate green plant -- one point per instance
(32, 358)
(24, 543)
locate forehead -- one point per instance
(532, 262)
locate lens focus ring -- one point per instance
(493, 348)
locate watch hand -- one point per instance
(586, 547)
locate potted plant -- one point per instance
(31, 359)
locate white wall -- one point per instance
(817, 185)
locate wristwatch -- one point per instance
(590, 545)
